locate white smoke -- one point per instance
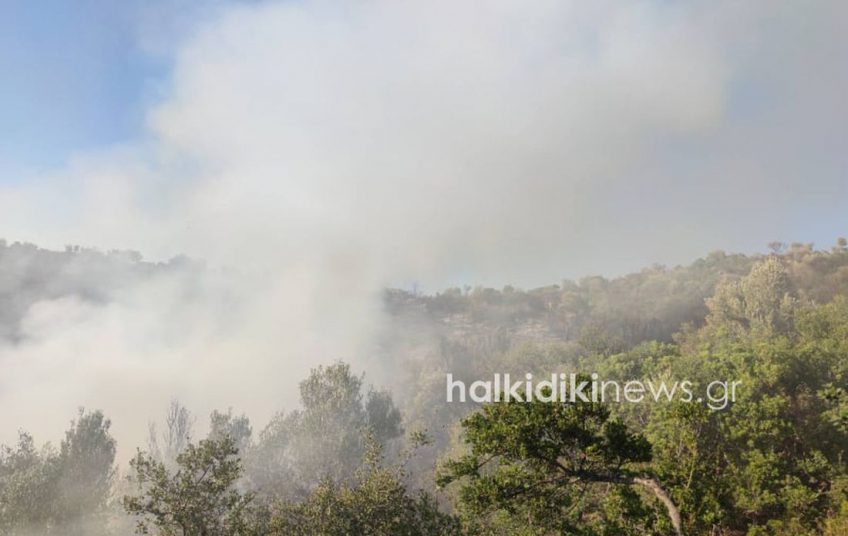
(314, 152)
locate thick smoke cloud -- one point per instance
(314, 152)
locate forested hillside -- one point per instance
(399, 459)
(29, 274)
(619, 312)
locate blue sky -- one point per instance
(74, 79)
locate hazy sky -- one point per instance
(522, 141)
(325, 149)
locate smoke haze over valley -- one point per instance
(310, 166)
(313, 181)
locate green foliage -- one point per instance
(324, 439)
(199, 499)
(375, 503)
(236, 427)
(761, 302)
(538, 462)
(765, 465)
(27, 487)
(86, 470)
(771, 464)
(64, 492)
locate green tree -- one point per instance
(64, 492)
(761, 301)
(27, 484)
(86, 472)
(537, 462)
(199, 499)
(375, 503)
(324, 439)
(769, 463)
(237, 427)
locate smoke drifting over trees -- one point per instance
(774, 322)
(339, 203)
